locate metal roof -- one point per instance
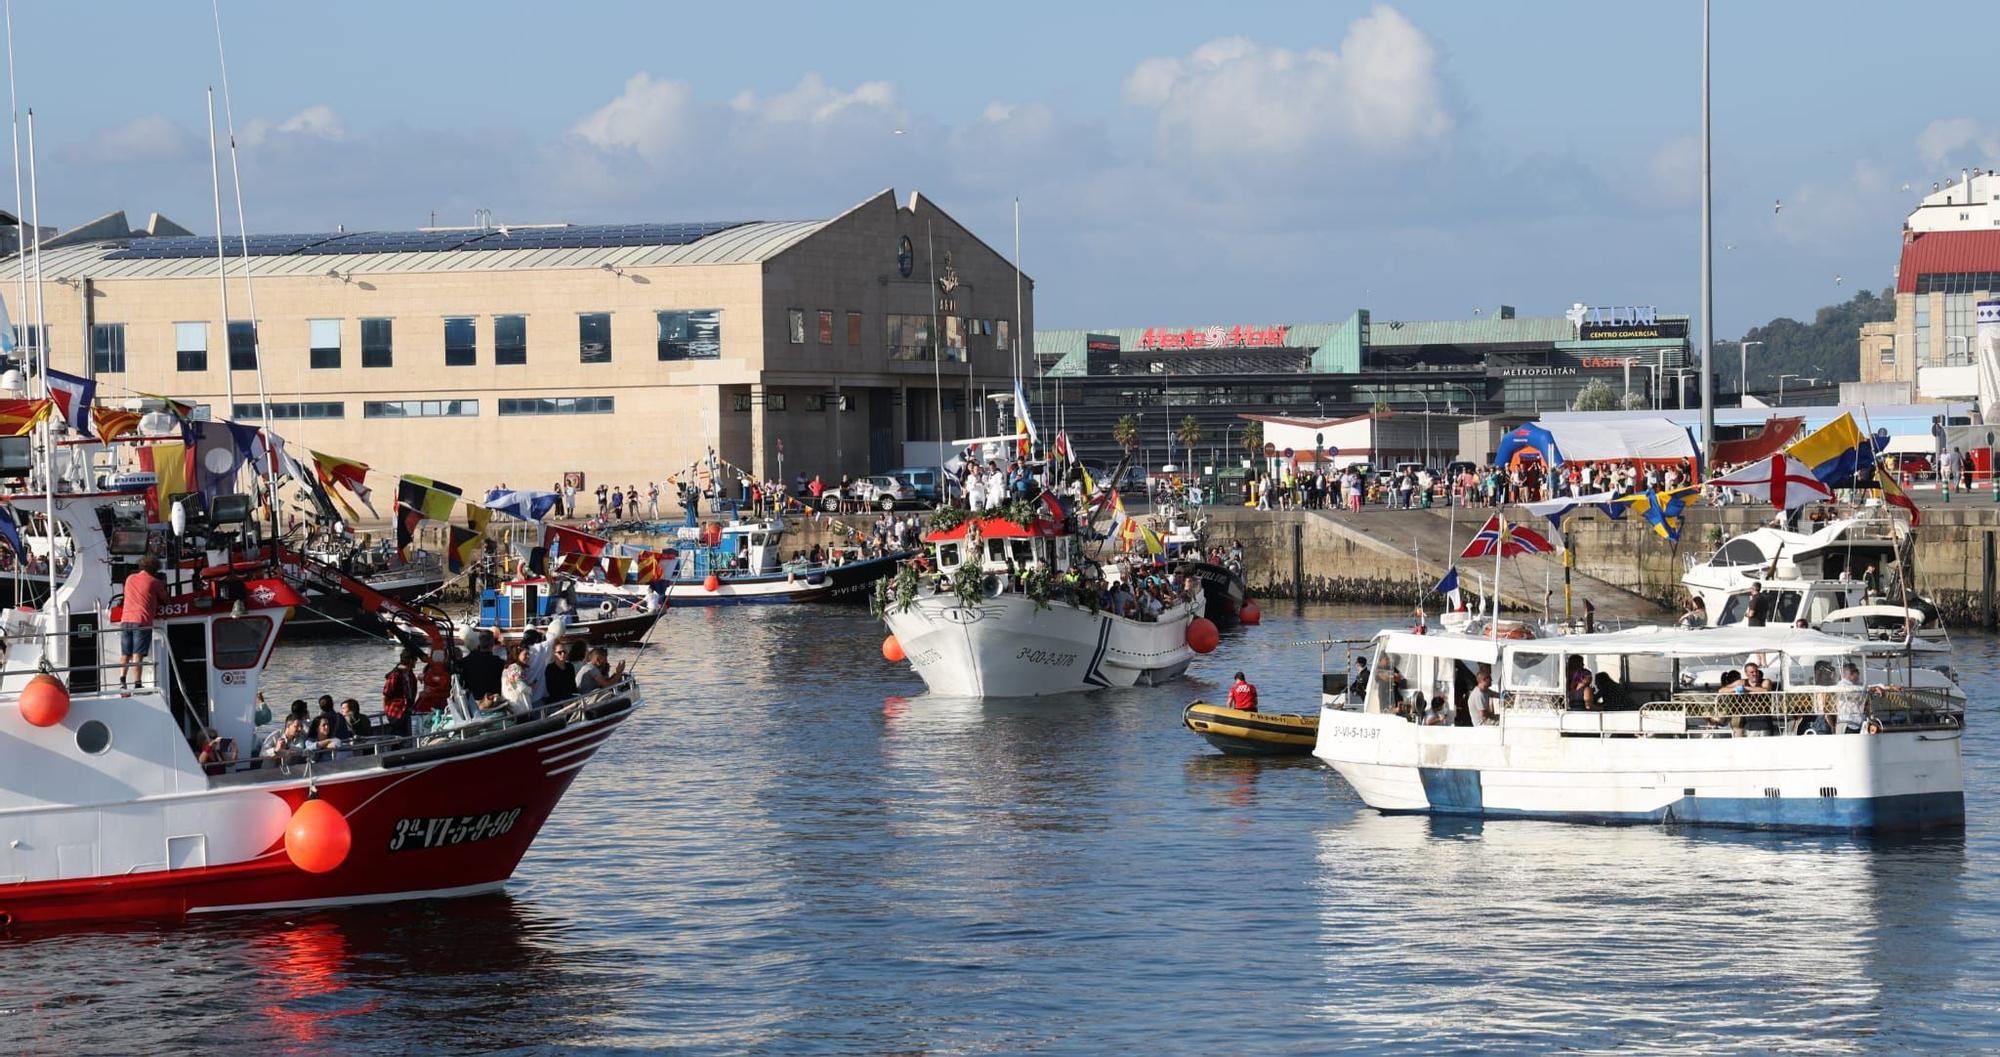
(1947, 252)
(514, 249)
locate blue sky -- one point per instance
(1177, 163)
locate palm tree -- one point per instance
(1189, 433)
(1253, 438)
(1126, 432)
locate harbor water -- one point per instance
(793, 849)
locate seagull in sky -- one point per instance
(1778, 206)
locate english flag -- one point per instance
(1781, 480)
(1508, 541)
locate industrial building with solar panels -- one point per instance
(513, 354)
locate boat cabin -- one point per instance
(740, 548)
(999, 545)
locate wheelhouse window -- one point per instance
(510, 340)
(378, 344)
(190, 346)
(107, 348)
(242, 345)
(593, 337)
(323, 344)
(461, 341)
(239, 641)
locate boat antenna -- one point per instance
(249, 288)
(42, 368)
(937, 348)
(1707, 262)
(221, 257)
(20, 244)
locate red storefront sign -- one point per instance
(1217, 337)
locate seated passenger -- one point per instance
(1435, 715)
(326, 738)
(358, 724)
(217, 752)
(1610, 696)
(1754, 681)
(287, 743)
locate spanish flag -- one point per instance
(169, 461)
(1893, 494)
(18, 417)
(648, 567)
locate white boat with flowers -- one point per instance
(1011, 607)
(120, 804)
(1669, 731)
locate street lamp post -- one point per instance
(1427, 427)
(1964, 343)
(1743, 372)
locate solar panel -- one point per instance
(569, 236)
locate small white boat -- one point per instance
(1662, 738)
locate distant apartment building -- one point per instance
(1950, 263)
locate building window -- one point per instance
(242, 345)
(378, 343)
(740, 402)
(461, 341)
(854, 328)
(557, 405)
(797, 318)
(28, 337)
(774, 401)
(107, 348)
(825, 327)
(593, 338)
(695, 334)
(1958, 328)
(818, 402)
(510, 339)
(1888, 355)
(420, 409)
(908, 336)
(190, 346)
(1000, 336)
(291, 410)
(323, 344)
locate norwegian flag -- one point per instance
(1508, 540)
(1781, 479)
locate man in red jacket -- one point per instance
(1243, 696)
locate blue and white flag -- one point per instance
(73, 396)
(7, 342)
(1559, 509)
(1448, 587)
(11, 533)
(518, 503)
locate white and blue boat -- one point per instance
(1666, 734)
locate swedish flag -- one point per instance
(1662, 509)
(1835, 452)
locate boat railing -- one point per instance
(1791, 711)
(447, 733)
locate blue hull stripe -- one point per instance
(1091, 675)
(1456, 791)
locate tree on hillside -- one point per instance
(1126, 432)
(1827, 347)
(1597, 396)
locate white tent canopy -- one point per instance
(1911, 444)
(1603, 440)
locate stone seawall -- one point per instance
(1386, 557)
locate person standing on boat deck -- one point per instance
(1481, 701)
(540, 650)
(143, 594)
(516, 690)
(399, 695)
(357, 721)
(1693, 615)
(1850, 701)
(479, 672)
(559, 678)
(1243, 696)
(1759, 607)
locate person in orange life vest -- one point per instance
(1243, 696)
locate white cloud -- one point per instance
(314, 122)
(813, 101)
(1380, 95)
(1957, 141)
(148, 139)
(650, 118)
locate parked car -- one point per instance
(926, 481)
(880, 491)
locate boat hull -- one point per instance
(1240, 733)
(848, 584)
(1224, 591)
(625, 628)
(433, 821)
(1006, 646)
(1841, 783)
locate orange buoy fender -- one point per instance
(318, 837)
(1250, 614)
(1202, 636)
(44, 701)
(892, 650)
(713, 583)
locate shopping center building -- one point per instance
(516, 353)
(1498, 364)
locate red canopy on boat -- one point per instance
(997, 528)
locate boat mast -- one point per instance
(20, 243)
(221, 261)
(1707, 264)
(937, 351)
(42, 358)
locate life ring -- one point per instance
(607, 608)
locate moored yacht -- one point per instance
(1744, 726)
